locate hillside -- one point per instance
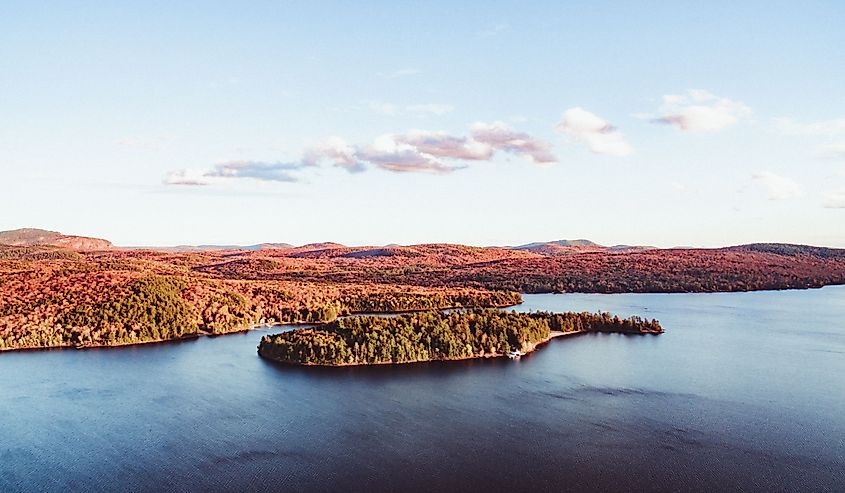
(36, 237)
(52, 295)
(570, 247)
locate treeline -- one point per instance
(152, 310)
(77, 304)
(748, 268)
(435, 335)
(400, 301)
(32, 253)
(324, 303)
(658, 271)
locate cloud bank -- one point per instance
(500, 137)
(700, 111)
(416, 151)
(596, 133)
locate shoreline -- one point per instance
(277, 324)
(533, 347)
(240, 330)
(528, 350)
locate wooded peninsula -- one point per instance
(437, 336)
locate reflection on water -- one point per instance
(744, 391)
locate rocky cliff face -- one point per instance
(35, 237)
(82, 243)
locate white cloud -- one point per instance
(835, 200)
(777, 187)
(501, 137)
(600, 136)
(700, 111)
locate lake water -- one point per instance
(745, 391)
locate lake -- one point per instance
(744, 391)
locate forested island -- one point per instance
(436, 336)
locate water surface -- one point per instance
(744, 391)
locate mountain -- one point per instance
(570, 247)
(41, 237)
(216, 248)
(561, 243)
(789, 250)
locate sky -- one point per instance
(368, 123)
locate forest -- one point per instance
(436, 335)
(53, 296)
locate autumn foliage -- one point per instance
(434, 335)
(51, 296)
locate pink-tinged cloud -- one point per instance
(336, 151)
(700, 111)
(388, 153)
(417, 151)
(499, 136)
(443, 145)
(599, 135)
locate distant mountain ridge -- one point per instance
(569, 247)
(564, 243)
(28, 237)
(215, 248)
(42, 237)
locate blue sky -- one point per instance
(695, 123)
